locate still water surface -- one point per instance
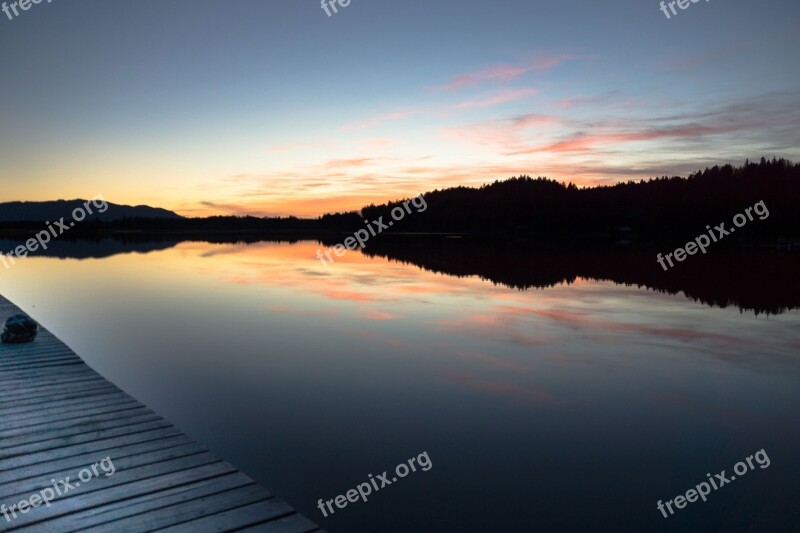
(569, 408)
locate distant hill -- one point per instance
(54, 210)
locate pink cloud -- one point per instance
(582, 142)
(533, 120)
(613, 99)
(497, 99)
(503, 72)
(507, 135)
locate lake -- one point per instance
(552, 390)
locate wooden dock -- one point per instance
(58, 416)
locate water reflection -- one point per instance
(531, 402)
(757, 280)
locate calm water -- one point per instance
(574, 407)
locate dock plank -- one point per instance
(72, 422)
(204, 507)
(79, 429)
(37, 421)
(58, 416)
(109, 518)
(77, 462)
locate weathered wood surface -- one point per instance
(58, 416)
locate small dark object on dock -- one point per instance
(18, 329)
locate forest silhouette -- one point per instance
(658, 208)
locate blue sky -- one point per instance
(267, 107)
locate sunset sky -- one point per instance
(274, 108)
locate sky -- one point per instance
(271, 108)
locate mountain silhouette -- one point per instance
(54, 210)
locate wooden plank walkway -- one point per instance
(58, 416)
